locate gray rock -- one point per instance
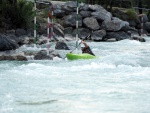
(129, 28)
(117, 35)
(42, 55)
(58, 11)
(69, 7)
(138, 38)
(61, 46)
(147, 26)
(57, 29)
(68, 30)
(7, 44)
(70, 20)
(84, 7)
(20, 32)
(98, 35)
(2, 57)
(11, 32)
(132, 23)
(114, 25)
(9, 58)
(20, 58)
(102, 15)
(96, 8)
(30, 32)
(85, 14)
(13, 57)
(91, 23)
(82, 32)
(19, 40)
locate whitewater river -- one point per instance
(116, 82)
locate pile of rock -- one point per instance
(95, 20)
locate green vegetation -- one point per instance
(17, 14)
(131, 14)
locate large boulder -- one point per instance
(147, 26)
(42, 55)
(58, 11)
(61, 46)
(20, 32)
(98, 35)
(69, 7)
(91, 23)
(132, 23)
(20, 40)
(114, 25)
(117, 35)
(12, 32)
(13, 57)
(85, 14)
(70, 20)
(96, 8)
(84, 7)
(68, 30)
(82, 32)
(58, 30)
(138, 38)
(7, 44)
(102, 15)
(128, 28)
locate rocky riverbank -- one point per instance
(93, 19)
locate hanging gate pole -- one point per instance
(48, 34)
(35, 23)
(77, 22)
(142, 25)
(48, 24)
(52, 21)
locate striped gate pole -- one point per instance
(48, 33)
(77, 16)
(35, 23)
(141, 31)
(142, 25)
(52, 21)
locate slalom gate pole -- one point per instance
(52, 21)
(35, 11)
(142, 25)
(77, 22)
(48, 25)
(48, 33)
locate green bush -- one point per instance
(25, 13)
(131, 14)
(19, 14)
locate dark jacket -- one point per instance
(87, 50)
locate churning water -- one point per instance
(116, 82)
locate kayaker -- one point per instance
(86, 48)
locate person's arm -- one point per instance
(84, 44)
